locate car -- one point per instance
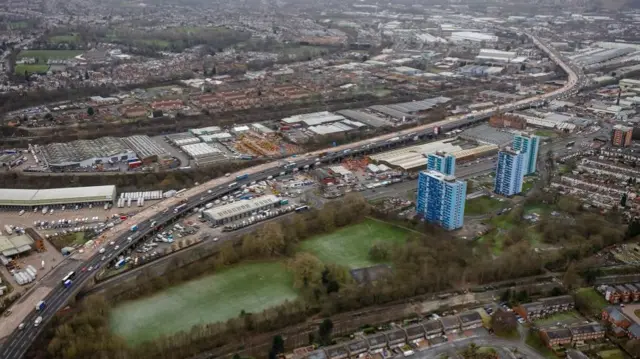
(102, 250)
(84, 269)
(21, 326)
(90, 268)
(103, 258)
(112, 243)
(215, 239)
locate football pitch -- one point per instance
(251, 287)
(349, 246)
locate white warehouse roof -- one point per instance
(315, 118)
(240, 207)
(415, 156)
(472, 36)
(200, 149)
(56, 196)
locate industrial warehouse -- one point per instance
(413, 158)
(31, 198)
(240, 209)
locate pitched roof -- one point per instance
(560, 333)
(635, 330)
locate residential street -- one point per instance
(502, 346)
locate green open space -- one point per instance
(611, 354)
(483, 205)
(533, 340)
(562, 317)
(71, 38)
(593, 300)
(546, 133)
(69, 240)
(44, 55)
(30, 68)
(527, 186)
(251, 287)
(349, 246)
(15, 25)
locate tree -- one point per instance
(571, 277)
(90, 111)
(504, 323)
(278, 344)
(379, 251)
(307, 270)
(324, 332)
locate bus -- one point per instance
(302, 208)
(570, 144)
(69, 276)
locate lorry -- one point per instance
(242, 176)
(134, 228)
(179, 208)
(40, 306)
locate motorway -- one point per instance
(19, 341)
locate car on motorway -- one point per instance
(84, 269)
(112, 243)
(102, 250)
(103, 258)
(90, 268)
(21, 326)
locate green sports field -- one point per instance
(251, 287)
(349, 246)
(44, 55)
(30, 68)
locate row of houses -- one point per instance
(545, 307)
(621, 324)
(554, 337)
(431, 331)
(621, 293)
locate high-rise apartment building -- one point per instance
(528, 145)
(442, 162)
(509, 172)
(441, 199)
(621, 136)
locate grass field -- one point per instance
(569, 317)
(349, 246)
(595, 301)
(71, 38)
(483, 205)
(252, 287)
(611, 354)
(44, 55)
(20, 68)
(15, 25)
(546, 133)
